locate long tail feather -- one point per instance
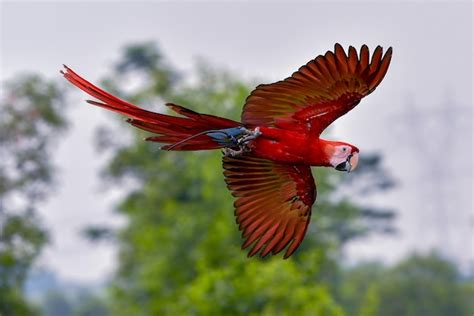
(181, 133)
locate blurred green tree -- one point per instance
(424, 285)
(180, 251)
(90, 304)
(32, 114)
(56, 303)
(419, 285)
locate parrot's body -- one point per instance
(267, 156)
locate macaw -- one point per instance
(267, 156)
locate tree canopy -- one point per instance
(32, 114)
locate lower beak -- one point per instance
(344, 166)
(350, 164)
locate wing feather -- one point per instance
(336, 79)
(273, 203)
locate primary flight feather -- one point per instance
(267, 156)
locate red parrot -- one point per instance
(267, 156)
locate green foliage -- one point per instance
(420, 285)
(30, 120)
(423, 286)
(355, 288)
(21, 240)
(90, 305)
(70, 301)
(370, 302)
(180, 251)
(256, 288)
(56, 303)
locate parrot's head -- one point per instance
(343, 156)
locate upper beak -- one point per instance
(353, 161)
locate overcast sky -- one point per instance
(431, 69)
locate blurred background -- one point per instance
(95, 221)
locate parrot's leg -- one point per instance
(242, 142)
(249, 135)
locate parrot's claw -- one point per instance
(229, 152)
(232, 153)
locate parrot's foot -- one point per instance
(249, 135)
(242, 143)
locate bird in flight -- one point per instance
(267, 156)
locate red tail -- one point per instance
(170, 129)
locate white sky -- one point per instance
(432, 58)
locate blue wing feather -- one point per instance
(227, 137)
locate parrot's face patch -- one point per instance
(345, 158)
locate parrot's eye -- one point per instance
(344, 148)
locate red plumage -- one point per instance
(170, 128)
(268, 156)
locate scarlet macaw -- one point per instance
(267, 156)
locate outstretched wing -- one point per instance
(324, 89)
(273, 202)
